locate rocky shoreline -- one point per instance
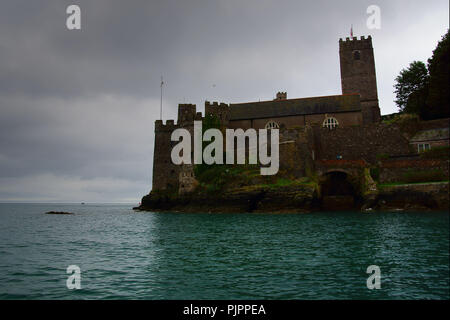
(246, 199)
(413, 197)
(302, 199)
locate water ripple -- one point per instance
(125, 255)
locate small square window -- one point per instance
(421, 147)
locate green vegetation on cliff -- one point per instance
(412, 176)
(220, 178)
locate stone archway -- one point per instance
(338, 191)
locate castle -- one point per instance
(317, 133)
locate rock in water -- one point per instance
(58, 212)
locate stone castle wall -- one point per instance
(301, 149)
(365, 142)
(344, 118)
(397, 170)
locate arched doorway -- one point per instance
(337, 192)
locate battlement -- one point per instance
(169, 126)
(355, 43)
(355, 39)
(281, 96)
(220, 110)
(215, 104)
(186, 105)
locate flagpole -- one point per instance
(160, 107)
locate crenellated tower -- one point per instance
(186, 114)
(219, 110)
(166, 175)
(358, 75)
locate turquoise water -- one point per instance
(141, 255)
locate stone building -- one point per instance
(345, 126)
(427, 139)
(358, 75)
(357, 105)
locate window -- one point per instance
(421, 147)
(357, 55)
(272, 125)
(330, 123)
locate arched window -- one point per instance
(330, 123)
(272, 125)
(357, 55)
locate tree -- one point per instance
(411, 88)
(438, 100)
(417, 102)
(423, 91)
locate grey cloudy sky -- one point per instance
(77, 108)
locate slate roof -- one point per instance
(293, 107)
(431, 135)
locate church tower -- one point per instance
(358, 75)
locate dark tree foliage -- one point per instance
(438, 100)
(417, 101)
(411, 86)
(426, 91)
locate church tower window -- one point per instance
(272, 125)
(330, 123)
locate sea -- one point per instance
(119, 253)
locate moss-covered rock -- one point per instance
(296, 196)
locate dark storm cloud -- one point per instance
(78, 107)
(116, 50)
